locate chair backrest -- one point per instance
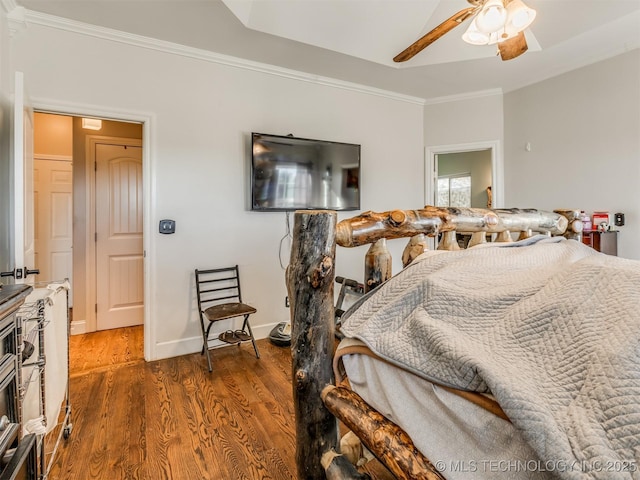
(350, 292)
(218, 285)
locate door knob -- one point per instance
(19, 272)
(35, 271)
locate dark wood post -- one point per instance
(310, 278)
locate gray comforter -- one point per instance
(551, 329)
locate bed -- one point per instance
(519, 394)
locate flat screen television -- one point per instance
(290, 173)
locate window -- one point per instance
(454, 191)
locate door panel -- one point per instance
(53, 187)
(119, 250)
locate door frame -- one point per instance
(23, 213)
(148, 181)
(497, 168)
(91, 257)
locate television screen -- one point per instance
(289, 173)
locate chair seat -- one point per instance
(228, 310)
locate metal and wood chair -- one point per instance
(350, 292)
(220, 298)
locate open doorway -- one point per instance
(88, 208)
(492, 178)
(464, 179)
(484, 193)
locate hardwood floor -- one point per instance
(171, 419)
(105, 349)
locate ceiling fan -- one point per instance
(500, 22)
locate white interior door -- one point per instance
(24, 224)
(53, 197)
(119, 248)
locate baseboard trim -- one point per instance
(187, 346)
(78, 327)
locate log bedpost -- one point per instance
(574, 230)
(504, 237)
(310, 278)
(377, 265)
(449, 241)
(524, 234)
(477, 238)
(416, 246)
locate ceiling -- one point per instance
(355, 40)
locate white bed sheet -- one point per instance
(463, 440)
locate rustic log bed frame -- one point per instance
(318, 403)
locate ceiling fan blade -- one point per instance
(513, 47)
(423, 42)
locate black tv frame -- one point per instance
(251, 198)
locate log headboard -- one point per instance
(310, 284)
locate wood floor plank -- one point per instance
(172, 419)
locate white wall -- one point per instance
(476, 119)
(201, 113)
(470, 120)
(584, 131)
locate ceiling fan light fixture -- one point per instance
(500, 36)
(519, 16)
(492, 17)
(475, 36)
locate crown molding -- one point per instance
(52, 21)
(591, 50)
(8, 5)
(15, 17)
(464, 96)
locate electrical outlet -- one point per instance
(286, 301)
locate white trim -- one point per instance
(497, 168)
(78, 327)
(68, 108)
(463, 96)
(17, 170)
(187, 346)
(55, 158)
(104, 33)
(8, 5)
(149, 181)
(15, 18)
(591, 52)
